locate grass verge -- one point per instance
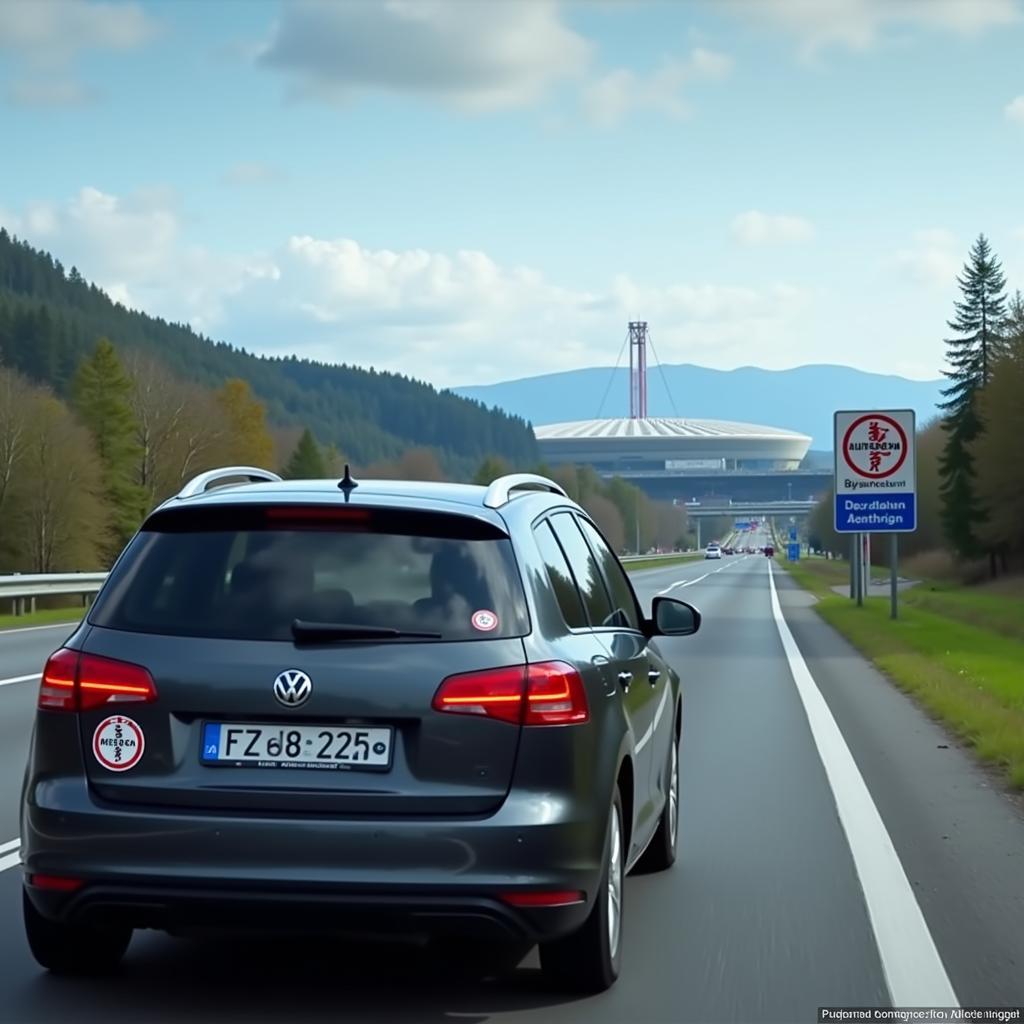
(969, 676)
(51, 616)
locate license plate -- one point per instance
(327, 747)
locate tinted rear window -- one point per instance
(247, 573)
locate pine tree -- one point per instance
(307, 461)
(102, 398)
(971, 355)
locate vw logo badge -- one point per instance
(292, 688)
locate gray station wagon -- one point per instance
(425, 710)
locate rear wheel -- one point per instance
(661, 854)
(73, 949)
(589, 959)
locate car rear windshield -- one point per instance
(249, 573)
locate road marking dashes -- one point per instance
(11, 859)
(914, 972)
(20, 679)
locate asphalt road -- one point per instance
(785, 897)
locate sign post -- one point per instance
(876, 485)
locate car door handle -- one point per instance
(598, 659)
(653, 676)
(625, 678)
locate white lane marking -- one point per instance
(20, 679)
(913, 969)
(646, 738)
(33, 629)
(685, 583)
(11, 859)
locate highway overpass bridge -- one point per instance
(742, 511)
(745, 509)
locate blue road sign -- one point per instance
(792, 534)
(870, 513)
(794, 552)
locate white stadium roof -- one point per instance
(619, 429)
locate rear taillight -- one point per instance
(57, 690)
(78, 682)
(548, 693)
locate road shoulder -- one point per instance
(959, 836)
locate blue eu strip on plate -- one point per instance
(211, 741)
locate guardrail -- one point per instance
(22, 590)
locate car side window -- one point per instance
(560, 575)
(585, 569)
(626, 610)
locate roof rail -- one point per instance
(212, 477)
(500, 491)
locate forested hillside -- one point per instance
(50, 319)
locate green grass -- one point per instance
(44, 618)
(968, 675)
(660, 563)
(994, 607)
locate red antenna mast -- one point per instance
(638, 370)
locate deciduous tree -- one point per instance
(61, 516)
(247, 439)
(997, 453)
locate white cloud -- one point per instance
(756, 228)
(860, 24)
(475, 56)
(933, 260)
(609, 98)
(46, 37)
(133, 247)
(450, 318)
(1015, 110)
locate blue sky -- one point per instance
(472, 191)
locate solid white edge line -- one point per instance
(914, 972)
(20, 679)
(9, 845)
(10, 861)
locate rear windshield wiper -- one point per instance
(324, 632)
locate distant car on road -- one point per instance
(712, 551)
(372, 707)
(769, 551)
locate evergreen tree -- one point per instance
(307, 461)
(103, 399)
(490, 469)
(971, 354)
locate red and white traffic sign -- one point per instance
(875, 446)
(874, 452)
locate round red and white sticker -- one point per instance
(484, 621)
(118, 743)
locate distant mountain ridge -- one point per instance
(801, 399)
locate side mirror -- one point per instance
(672, 617)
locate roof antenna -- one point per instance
(348, 485)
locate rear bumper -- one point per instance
(407, 915)
(180, 872)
